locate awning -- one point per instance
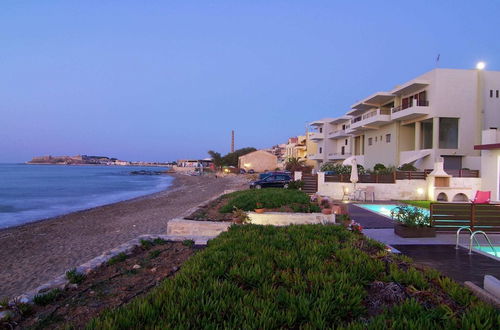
(410, 87)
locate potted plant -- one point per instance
(345, 219)
(240, 216)
(412, 222)
(325, 205)
(259, 207)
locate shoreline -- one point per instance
(36, 252)
(171, 188)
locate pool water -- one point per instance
(487, 249)
(385, 209)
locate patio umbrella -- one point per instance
(354, 172)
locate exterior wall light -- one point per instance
(420, 191)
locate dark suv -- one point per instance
(272, 181)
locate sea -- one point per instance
(34, 192)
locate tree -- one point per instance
(216, 158)
(294, 164)
(230, 159)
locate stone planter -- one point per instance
(326, 211)
(260, 210)
(414, 232)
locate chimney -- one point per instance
(232, 140)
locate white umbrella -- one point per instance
(354, 171)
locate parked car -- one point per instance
(272, 181)
(250, 171)
(242, 171)
(266, 174)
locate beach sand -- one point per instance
(35, 253)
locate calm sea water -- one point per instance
(33, 192)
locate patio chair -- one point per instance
(370, 191)
(482, 197)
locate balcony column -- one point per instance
(435, 133)
(418, 131)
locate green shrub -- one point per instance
(146, 244)
(297, 184)
(407, 167)
(47, 298)
(74, 276)
(188, 242)
(118, 258)
(410, 216)
(304, 276)
(154, 254)
(378, 167)
(270, 198)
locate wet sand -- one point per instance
(35, 253)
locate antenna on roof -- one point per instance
(232, 140)
(437, 60)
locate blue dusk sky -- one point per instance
(161, 80)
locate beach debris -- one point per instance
(136, 266)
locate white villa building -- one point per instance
(439, 116)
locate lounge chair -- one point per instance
(482, 197)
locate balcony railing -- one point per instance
(339, 154)
(370, 114)
(415, 103)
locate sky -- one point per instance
(163, 80)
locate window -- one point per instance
(448, 133)
(345, 142)
(343, 127)
(370, 141)
(320, 150)
(375, 139)
(321, 129)
(388, 138)
(491, 93)
(426, 134)
(497, 93)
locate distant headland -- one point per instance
(89, 160)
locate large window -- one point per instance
(448, 133)
(426, 134)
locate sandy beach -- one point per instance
(35, 253)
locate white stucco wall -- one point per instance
(490, 172)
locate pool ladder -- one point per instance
(473, 238)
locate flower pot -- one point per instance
(262, 210)
(326, 211)
(414, 232)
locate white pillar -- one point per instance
(435, 133)
(418, 130)
(297, 175)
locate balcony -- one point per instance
(371, 119)
(416, 109)
(338, 155)
(341, 133)
(316, 135)
(315, 156)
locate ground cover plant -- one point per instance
(111, 285)
(422, 204)
(308, 276)
(411, 216)
(272, 199)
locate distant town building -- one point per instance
(259, 161)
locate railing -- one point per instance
(410, 175)
(355, 120)
(452, 216)
(459, 173)
(415, 103)
(378, 178)
(336, 154)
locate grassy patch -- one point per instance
(47, 298)
(423, 204)
(154, 254)
(309, 276)
(118, 258)
(188, 242)
(74, 276)
(270, 198)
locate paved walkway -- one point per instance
(457, 264)
(368, 219)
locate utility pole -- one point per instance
(232, 140)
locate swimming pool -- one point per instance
(486, 248)
(385, 209)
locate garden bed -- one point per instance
(272, 199)
(309, 276)
(123, 278)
